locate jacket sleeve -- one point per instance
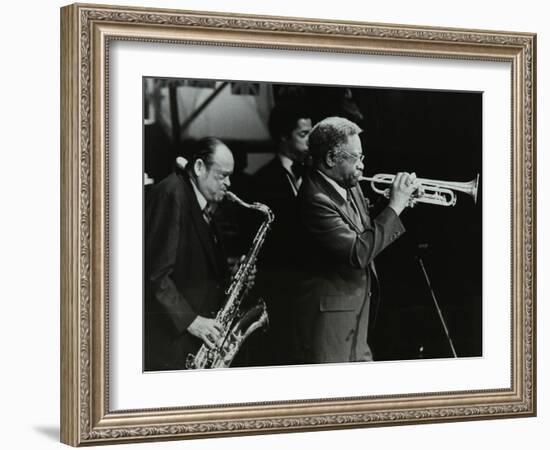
(164, 230)
(336, 238)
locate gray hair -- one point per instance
(329, 135)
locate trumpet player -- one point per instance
(186, 269)
(338, 294)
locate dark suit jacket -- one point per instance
(334, 299)
(273, 188)
(185, 272)
(277, 263)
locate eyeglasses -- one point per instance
(357, 158)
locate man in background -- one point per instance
(277, 185)
(340, 242)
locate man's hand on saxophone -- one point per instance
(235, 324)
(206, 329)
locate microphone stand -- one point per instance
(436, 303)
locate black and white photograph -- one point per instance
(296, 224)
(283, 219)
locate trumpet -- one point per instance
(435, 192)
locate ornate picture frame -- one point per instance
(87, 32)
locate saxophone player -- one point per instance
(186, 270)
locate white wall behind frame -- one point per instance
(29, 182)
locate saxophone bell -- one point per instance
(253, 319)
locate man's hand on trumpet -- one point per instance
(404, 189)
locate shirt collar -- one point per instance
(335, 185)
(286, 162)
(200, 198)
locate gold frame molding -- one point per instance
(86, 31)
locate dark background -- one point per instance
(436, 134)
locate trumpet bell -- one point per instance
(468, 187)
(474, 188)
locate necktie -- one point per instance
(207, 214)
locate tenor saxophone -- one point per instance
(235, 323)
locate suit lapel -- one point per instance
(361, 205)
(365, 218)
(337, 199)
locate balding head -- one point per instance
(210, 167)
